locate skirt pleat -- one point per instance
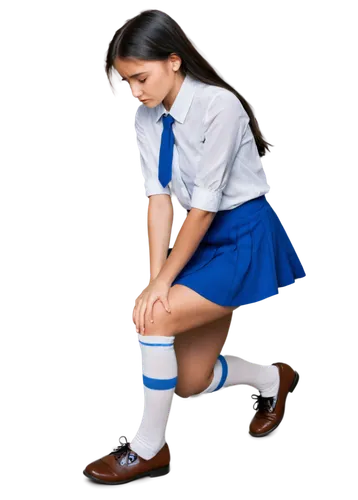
(245, 256)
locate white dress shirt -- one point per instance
(216, 164)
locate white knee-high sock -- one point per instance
(160, 373)
(231, 370)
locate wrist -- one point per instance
(165, 279)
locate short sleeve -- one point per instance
(224, 126)
(149, 158)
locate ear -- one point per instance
(175, 61)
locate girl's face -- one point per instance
(150, 81)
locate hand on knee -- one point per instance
(162, 321)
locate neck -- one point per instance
(170, 97)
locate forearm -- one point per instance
(160, 221)
(190, 235)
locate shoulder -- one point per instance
(217, 100)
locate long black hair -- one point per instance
(153, 35)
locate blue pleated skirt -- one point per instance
(245, 256)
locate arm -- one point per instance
(225, 123)
(160, 222)
(191, 233)
(160, 208)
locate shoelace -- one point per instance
(122, 449)
(266, 404)
(263, 404)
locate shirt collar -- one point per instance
(182, 102)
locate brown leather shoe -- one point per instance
(123, 465)
(270, 412)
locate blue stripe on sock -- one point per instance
(148, 343)
(160, 384)
(224, 373)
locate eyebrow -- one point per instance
(136, 74)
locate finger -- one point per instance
(135, 314)
(138, 316)
(132, 308)
(137, 304)
(143, 308)
(151, 312)
(148, 317)
(166, 303)
(134, 318)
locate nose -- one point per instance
(134, 94)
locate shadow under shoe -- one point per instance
(123, 465)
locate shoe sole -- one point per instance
(152, 473)
(294, 386)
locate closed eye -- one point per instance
(141, 81)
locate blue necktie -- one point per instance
(166, 151)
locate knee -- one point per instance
(162, 321)
(183, 395)
(190, 389)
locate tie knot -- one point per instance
(167, 120)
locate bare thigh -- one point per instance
(189, 310)
(197, 351)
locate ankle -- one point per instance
(270, 381)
